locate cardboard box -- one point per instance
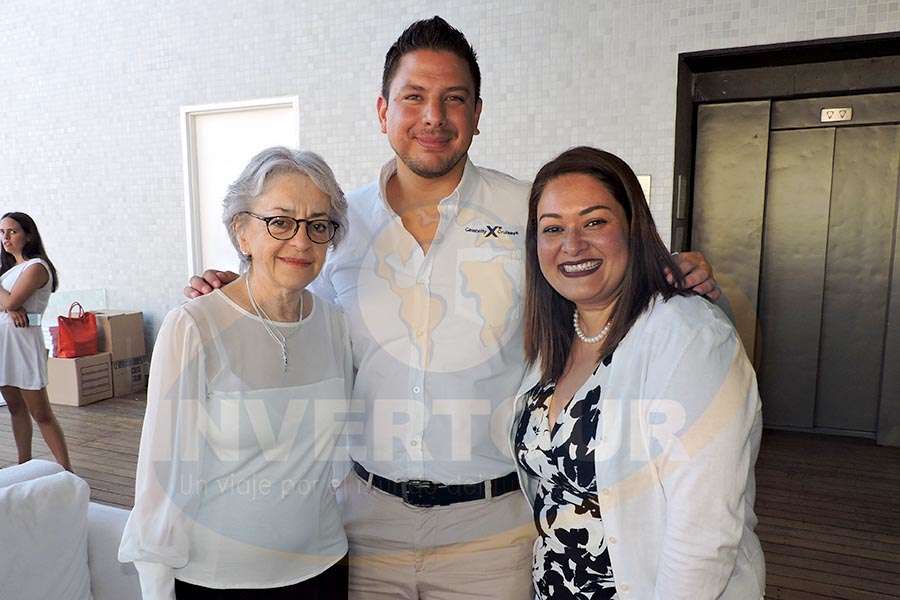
(129, 375)
(79, 381)
(121, 333)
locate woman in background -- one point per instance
(27, 278)
(638, 429)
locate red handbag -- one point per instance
(77, 335)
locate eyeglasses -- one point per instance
(320, 231)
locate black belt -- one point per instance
(421, 493)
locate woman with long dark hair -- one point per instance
(27, 278)
(637, 430)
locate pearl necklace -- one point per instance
(590, 340)
(279, 337)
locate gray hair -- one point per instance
(276, 161)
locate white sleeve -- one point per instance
(156, 580)
(156, 536)
(321, 286)
(706, 466)
(725, 304)
(341, 460)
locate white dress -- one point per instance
(23, 361)
(235, 474)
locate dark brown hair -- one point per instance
(430, 34)
(34, 247)
(549, 331)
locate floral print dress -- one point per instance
(571, 561)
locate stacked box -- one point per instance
(79, 381)
(121, 333)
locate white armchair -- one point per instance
(57, 544)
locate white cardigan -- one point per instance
(680, 427)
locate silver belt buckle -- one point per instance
(34, 319)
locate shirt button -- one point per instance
(416, 390)
(420, 332)
(605, 491)
(624, 587)
(613, 540)
(413, 443)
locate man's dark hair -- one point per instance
(430, 34)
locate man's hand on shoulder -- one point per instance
(209, 281)
(698, 274)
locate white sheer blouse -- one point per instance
(235, 474)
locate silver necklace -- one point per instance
(279, 337)
(590, 340)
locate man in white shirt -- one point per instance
(430, 278)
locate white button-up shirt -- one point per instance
(436, 336)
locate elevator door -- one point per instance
(825, 250)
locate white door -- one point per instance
(219, 140)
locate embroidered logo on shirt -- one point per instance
(494, 231)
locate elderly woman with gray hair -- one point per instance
(234, 495)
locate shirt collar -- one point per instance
(464, 190)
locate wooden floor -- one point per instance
(103, 443)
(829, 507)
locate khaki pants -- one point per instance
(479, 549)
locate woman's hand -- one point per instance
(209, 281)
(19, 317)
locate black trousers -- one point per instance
(331, 584)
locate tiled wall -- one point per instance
(90, 92)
